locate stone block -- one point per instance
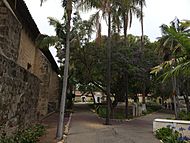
(3, 17)
(3, 10)
(18, 99)
(1, 3)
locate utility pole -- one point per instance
(60, 127)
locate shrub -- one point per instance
(30, 135)
(170, 135)
(183, 115)
(163, 133)
(102, 111)
(153, 107)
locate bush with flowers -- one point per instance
(171, 134)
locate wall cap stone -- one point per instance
(172, 121)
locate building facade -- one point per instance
(29, 81)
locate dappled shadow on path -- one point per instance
(87, 127)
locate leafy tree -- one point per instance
(176, 47)
(161, 89)
(105, 6)
(90, 64)
(179, 51)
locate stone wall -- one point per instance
(17, 45)
(27, 51)
(50, 85)
(9, 33)
(43, 72)
(19, 92)
(54, 92)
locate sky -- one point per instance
(156, 13)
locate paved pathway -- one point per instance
(86, 127)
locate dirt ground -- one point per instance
(51, 126)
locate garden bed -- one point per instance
(182, 128)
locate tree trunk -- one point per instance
(93, 97)
(125, 26)
(98, 86)
(60, 127)
(174, 96)
(144, 93)
(142, 27)
(142, 48)
(125, 23)
(108, 70)
(144, 98)
(126, 96)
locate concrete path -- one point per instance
(86, 127)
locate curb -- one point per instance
(66, 131)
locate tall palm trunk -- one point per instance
(142, 26)
(66, 68)
(141, 49)
(174, 86)
(126, 96)
(108, 70)
(94, 100)
(125, 23)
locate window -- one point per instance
(29, 66)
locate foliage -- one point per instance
(88, 58)
(101, 110)
(30, 135)
(166, 134)
(89, 63)
(183, 115)
(117, 113)
(153, 107)
(69, 100)
(176, 47)
(170, 135)
(161, 89)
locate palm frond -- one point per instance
(45, 41)
(42, 1)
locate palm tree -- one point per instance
(128, 8)
(175, 44)
(141, 4)
(103, 6)
(109, 65)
